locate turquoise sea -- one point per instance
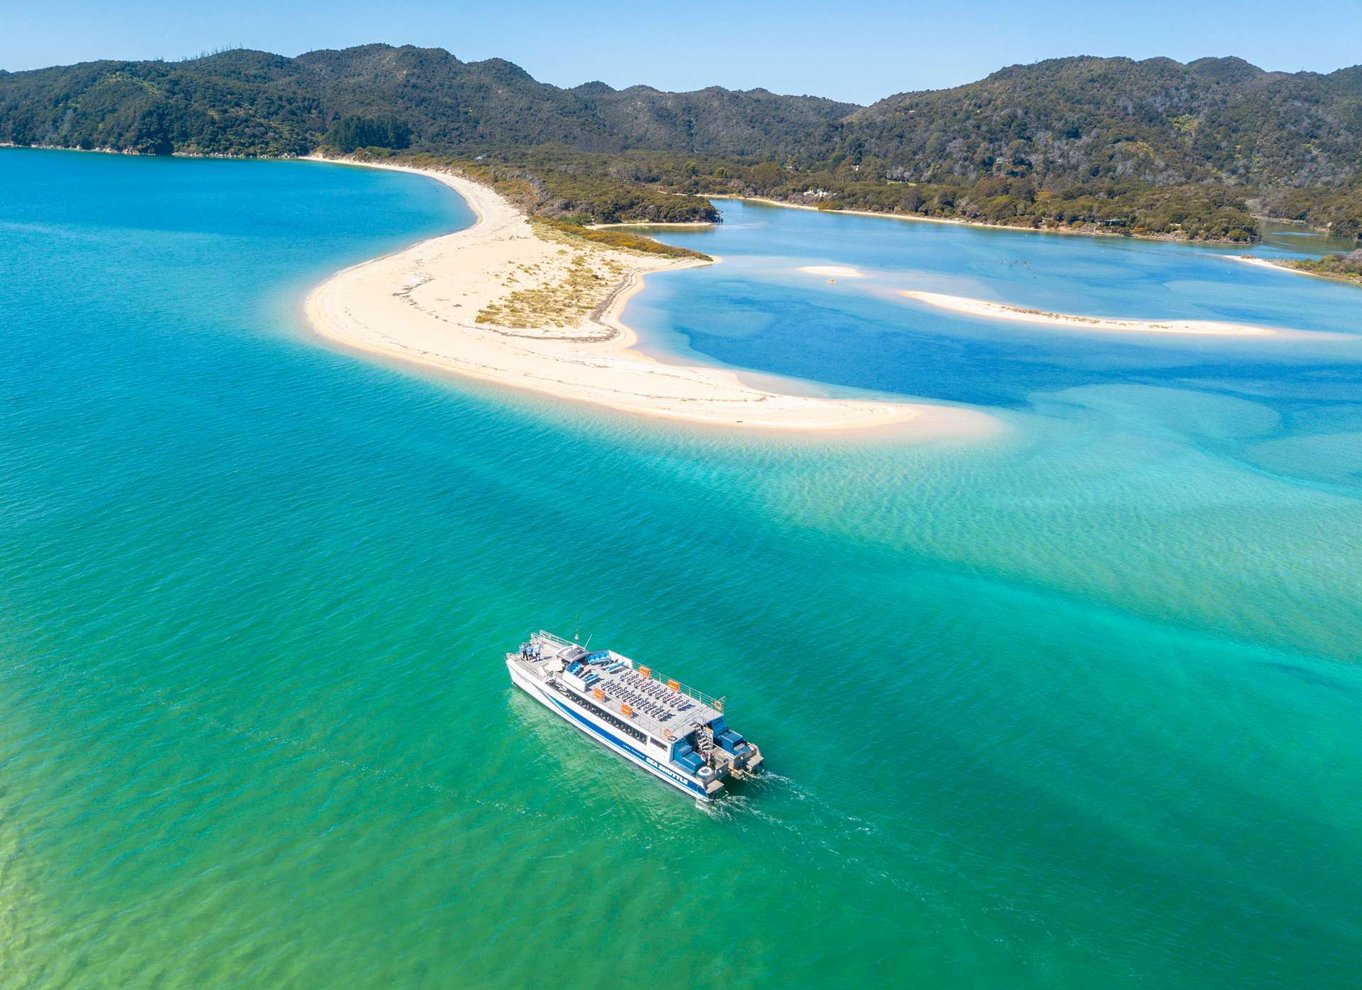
(1076, 707)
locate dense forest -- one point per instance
(1153, 147)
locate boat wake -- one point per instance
(161, 701)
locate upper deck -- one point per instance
(665, 709)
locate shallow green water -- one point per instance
(1076, 708)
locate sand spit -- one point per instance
(652, 224)
(1102, 324)
(508, 303)
(1248, 259)
(1279, 267)
(833, 271)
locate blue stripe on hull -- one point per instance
(614, 741)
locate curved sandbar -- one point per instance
(1278, 266)
(833, 271)
(505, 303)
(1073, 321)
(1249, 259)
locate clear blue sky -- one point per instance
(856, 51)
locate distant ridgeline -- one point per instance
(1153, 147)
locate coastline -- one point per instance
(702, 224)
(867, 213)
(649, 224)
(977, 224)
(1247, 259)
(442, 304)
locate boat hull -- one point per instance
(603, 734)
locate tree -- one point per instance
(766, 177)
(351, 133)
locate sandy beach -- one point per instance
(1072, 321)
(1247, 259)
(1278, 267)
(512, 304)
(918, 218)
(910, 217)
(833, 271)
(653, 224)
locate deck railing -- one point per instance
(695, 695)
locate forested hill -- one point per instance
(1094, 143)
(253, 103)
(1158, 121)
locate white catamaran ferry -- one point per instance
(668, 729)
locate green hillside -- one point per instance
(1151, 147)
